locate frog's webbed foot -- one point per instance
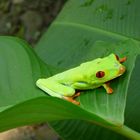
(121, 60)
(76, 95)
(108, 89)
(71, 98)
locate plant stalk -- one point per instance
(127, 132)
(122, 130)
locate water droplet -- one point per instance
(122, 16)
(86, 42)
(59, 62)
(129, 2)
(104, 9)
(109, 14)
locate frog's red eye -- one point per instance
(100, 74)
(117, 57)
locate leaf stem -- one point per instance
(127, 132)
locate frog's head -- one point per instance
(109, 68)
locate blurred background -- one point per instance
(28, 19)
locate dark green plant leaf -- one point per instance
(19, 70)
(77, 29)
(110, 16)
(25, 110)
(82, 130)
(98, 101)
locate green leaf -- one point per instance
(39, 108)
(82, 25)
(20, 68)
(21, 99)
(111, 108)
(110, 16)
(82, 130)
(18, 64)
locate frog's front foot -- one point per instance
(71, 99)
(121, 60)
(108, 89)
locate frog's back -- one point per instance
(80, 73)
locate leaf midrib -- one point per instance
(96, 29)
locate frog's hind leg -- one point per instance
(57, 89)
(71, 99)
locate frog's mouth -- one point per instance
(122, 69)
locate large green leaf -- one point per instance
(19, 70)
(21, 99)
(71, 40)
(110, 16)
(83, 130)
(32, 106)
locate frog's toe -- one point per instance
(121, 60)
(70, 99)
(109, 90)
(76, 102)
(76, 95)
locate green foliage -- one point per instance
(79, 26)
(85, 30)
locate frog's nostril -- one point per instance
(122, 69)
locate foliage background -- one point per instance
(109, 25)
(28, 19)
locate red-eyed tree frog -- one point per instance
(88, 75)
